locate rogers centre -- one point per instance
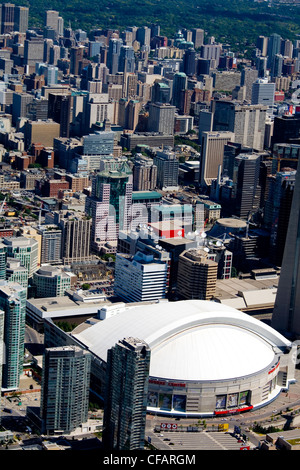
(206, 358)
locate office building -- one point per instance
(197, 37)
(189, 62)
(246, 121)
(212, 151)
(285, 316)
(113, 55)
(196, 276)
(278, 210)
(128, 364)
(261, 66)
(143, 36)
(65, 389)
(276, 66)
(51, 19)
(248, 77)
(262, 45)
(274, 48)
(110, 206)
(20, 106)
(161, 118)
(59, 110)
(43, 132)
(33, 52)
(247, 190)
(98, 146)
(160, 92)
(211, 52)
(286, 129)
(50, 281)
(126, 59)
(13, 304)
(263, 92)
(179, 84)
(21, 19)
(140, 278)
(7, 18)
(167, 169)
(25, 250)
(76, 57)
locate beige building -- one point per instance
(28, 231)
(197, 275)
(43, 132)
(212, 154)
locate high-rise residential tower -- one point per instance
(128, 364)
(65, 389)
(13, 303)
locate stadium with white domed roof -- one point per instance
(207, 359)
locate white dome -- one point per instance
(191, 340)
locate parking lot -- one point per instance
(186, 441)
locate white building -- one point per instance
(140, 278)
(207, 359)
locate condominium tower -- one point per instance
(128, 364)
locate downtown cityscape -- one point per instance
(149, 239)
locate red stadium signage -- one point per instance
(235, 410)
(168, 426)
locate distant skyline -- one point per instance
(250, 18)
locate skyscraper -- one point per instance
(65, 388)
(128, 364)
(161, 118)
(197, 275)
(179, 84)
(274, 47)
(13, 303)
(167, 169)
(212, 152)
(246, 121)
(286, 316)
(263, 92)
(7, 18)
(21, 19)
(110, 206)
(144, 173)
(197, 37)
(126, 59)
(278, 210)
(247, 190)
(248, 77)
(113, 55)
(59, 109)
(76, 237)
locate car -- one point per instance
(166, 439)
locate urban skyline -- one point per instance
(149, 205)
